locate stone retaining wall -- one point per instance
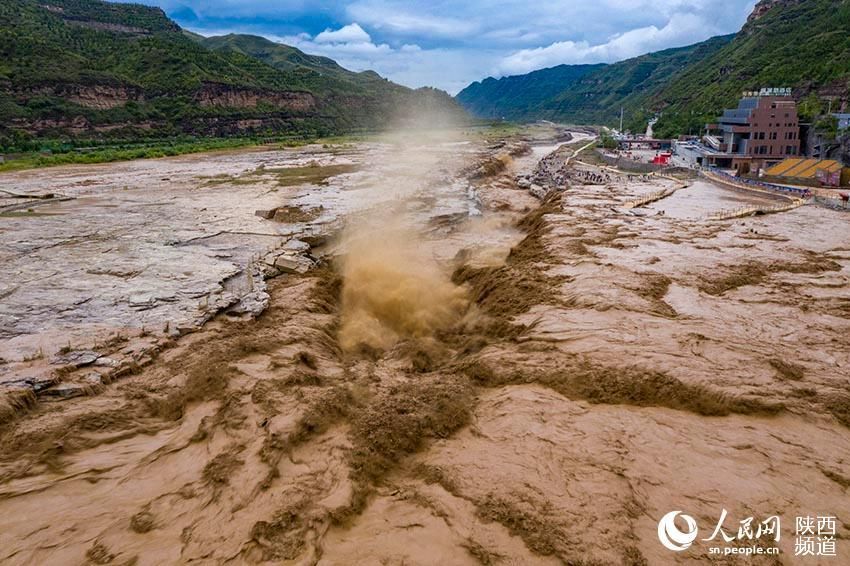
(630, 165)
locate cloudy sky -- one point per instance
(449, 44)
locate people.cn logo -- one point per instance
(670, 535)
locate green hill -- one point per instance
(376, 99)
(629, 85)
(284, 57)
(585, 94)
(92, 69)
(803, 44)
(519, 97)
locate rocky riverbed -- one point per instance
(449, 351)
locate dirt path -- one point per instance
(604, 371)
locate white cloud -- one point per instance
(409, 64)
(351, 46)
(449, 44)
(352, 33)
(680, 30)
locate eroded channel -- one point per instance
(468, 374)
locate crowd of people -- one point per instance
(593, 178)
(552, 170)
(640, 178)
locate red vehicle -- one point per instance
(662, 158)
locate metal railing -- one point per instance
(651, 197)
(760, 186)
(728, 214)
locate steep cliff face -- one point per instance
(101, 97)
(226, 96)
(765, 6)
(94, 96)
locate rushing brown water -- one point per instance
(470, 377)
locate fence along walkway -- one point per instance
(646, 199)
(794, 198)
(756, 186)
(658, 195)
(651, 197)
(743, 211)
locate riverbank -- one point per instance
(162, 148)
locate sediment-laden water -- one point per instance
(466, 374)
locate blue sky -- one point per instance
(449, 44)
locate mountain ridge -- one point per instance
(597, 92)
(94, 69)
(800, 44)
(492, 98)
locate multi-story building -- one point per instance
(761, 131)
